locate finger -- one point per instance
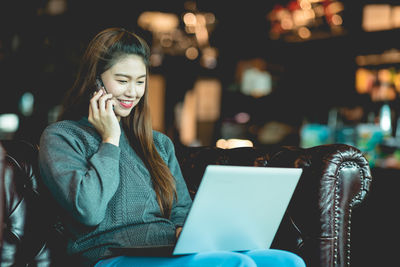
(97, 94)
(91, 118)
(102, 104)
(90, 112)
(110, 105)
(103, 100)
(93, 106)
(96, 97)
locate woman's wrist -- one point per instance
(114, 141)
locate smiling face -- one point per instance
(126, 81)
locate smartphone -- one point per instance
(100, 84)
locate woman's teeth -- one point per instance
(126, 104)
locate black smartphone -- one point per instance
(100, 84)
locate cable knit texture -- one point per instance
(106, 190)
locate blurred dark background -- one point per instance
(40, 50)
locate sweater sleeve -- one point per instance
(183, 202)
(83, 186)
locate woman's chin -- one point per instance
(123, 113)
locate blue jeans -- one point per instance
(253, 258)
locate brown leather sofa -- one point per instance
(316, 226)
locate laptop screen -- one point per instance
(237, 208)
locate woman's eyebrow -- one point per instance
(128, 76)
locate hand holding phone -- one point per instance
(102, 116)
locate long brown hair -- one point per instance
(103, 51)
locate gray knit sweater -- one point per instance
(106, 190)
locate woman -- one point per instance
(117, 179)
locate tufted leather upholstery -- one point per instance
(28, 220)
(317, 225)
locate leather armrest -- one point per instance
(335, 180)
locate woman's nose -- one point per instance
(132, 90)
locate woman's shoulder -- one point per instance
(161, 137)
(67, 125)
(162, 141)
(78, 134)
(59, 126)
(75, 129)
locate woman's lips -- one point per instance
(126, 104)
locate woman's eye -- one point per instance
(122, 81)
(140, 82)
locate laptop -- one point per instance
(236, 208)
